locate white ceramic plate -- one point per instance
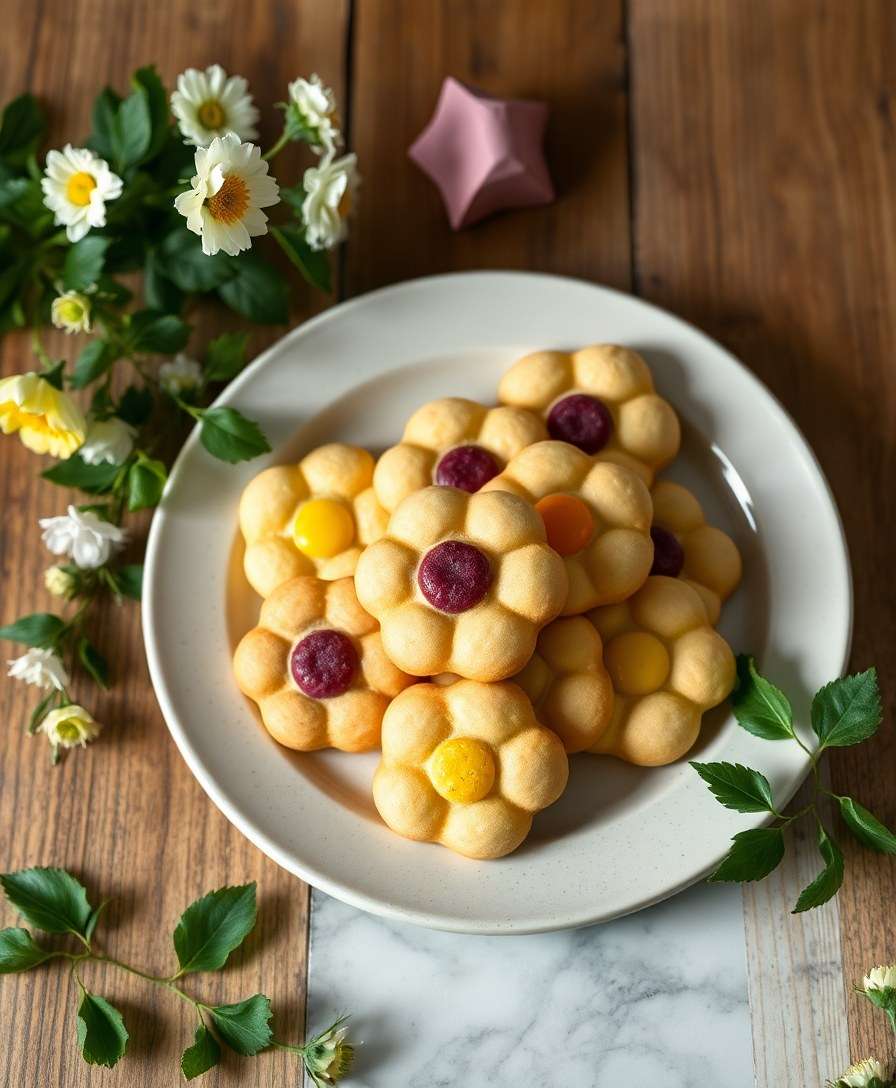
(621, 837)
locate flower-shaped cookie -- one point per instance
(454, 442)
(667, 665)
(461, 583)
(600, 399)
(310, 518)
(315, 665)
(597, 516)
(684, 545)
(467, 766)
(567, 683)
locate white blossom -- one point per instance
(329, 193)
(42, 668)
(71, 311)
(209, 104)
(180, 375)
(80, 534)
(313, 106)
(77, 185)
(69, 726)
(108, 440)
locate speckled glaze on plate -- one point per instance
(621, 837)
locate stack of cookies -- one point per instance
(502, 589)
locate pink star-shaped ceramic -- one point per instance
(484, 153)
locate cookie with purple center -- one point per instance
(600, 399)
(453, 442)
(461, 583)
(316, 667)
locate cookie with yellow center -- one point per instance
(466, 765)
(456, 443)
(316, 667)
(668, 667)
(600, 399)
(311, 518)
(686, 547)
(596, 515)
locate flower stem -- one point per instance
(277, 147)
(156, 980)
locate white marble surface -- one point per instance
(656, 998)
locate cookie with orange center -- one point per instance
(466, 765)
(596, 515)
(567, 683)
(686, 547)
(311, 518)
(461, 583)
(456, 443)
(316, 667)
(600, 399)
(668, 667)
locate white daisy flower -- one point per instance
(83, 536)
(42, 668)
(180, 375)
(77, 184)
(312, 107)
(209, 104)
(230, 187)
(109, 441)
(329, 194)
(880, 978)
(328, 1057)
(59, 582)
(69, 725)
(71, 311)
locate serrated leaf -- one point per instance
(181, 259)
(314, 264)
(161, 293)
(129, 580)
(848, 710)
(737, 787)
(151, 331)
(256, 290)
(203, 1055)
(226, 356)
(753, 855)
(40, 629)
(93, 661)
(102, 1036)
(94, 360)
(75, 472)
(231, 437)
(94, 918)
(826, 885)
(19, 951)
(131, 131)
(244, 1027)
(102, 120)
(135, 406)
(84, 262)
(147, 80)
(866, 827)
(21, 128)
(760, 707)
(146, 482)
(213, 926)
(50, 899)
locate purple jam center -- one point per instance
(323, 664)
(582, 421)
(453, 576)
(668, 557)
(466, 467)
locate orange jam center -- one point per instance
(567, 522)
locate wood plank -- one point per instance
(127, 815)
(765, 183)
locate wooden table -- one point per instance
(734, 162)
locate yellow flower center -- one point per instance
(323, 528)
(71, 311)
(638, 663)
(463, 770)
(79, 187)
(211, 114)
(230, 202)
(68, 730)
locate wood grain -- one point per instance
(128, 817)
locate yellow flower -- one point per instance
(46, 419)
(71, 312)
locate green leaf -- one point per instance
(102, 1036)
(181, 259)
(40, 629)
(94, 918)
(129, 580)
(866, 827)
(93, 661)
(75, 472)
(314, 264)
(231, 437)
(203, 1055)
(212, 927)
(54, 374)
(84, 262)
(147, 81)
(226, 356)
(37, 715)
(50, 899)
(827, 883)
(257, 290)
(848, 710)
(95, 359)
(21, 129)
(760, 707)
(19, 951)
(753, 855)
(146, 482)
(135, 406)
(131, 131)
(155, 332)
(244, 1026)
(160, 292)
(737, 787)
(103, 121)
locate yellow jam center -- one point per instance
(323, 528)
(637, 662)
(462, 770)
(211, 114)
(230, 202)
(79, 187)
